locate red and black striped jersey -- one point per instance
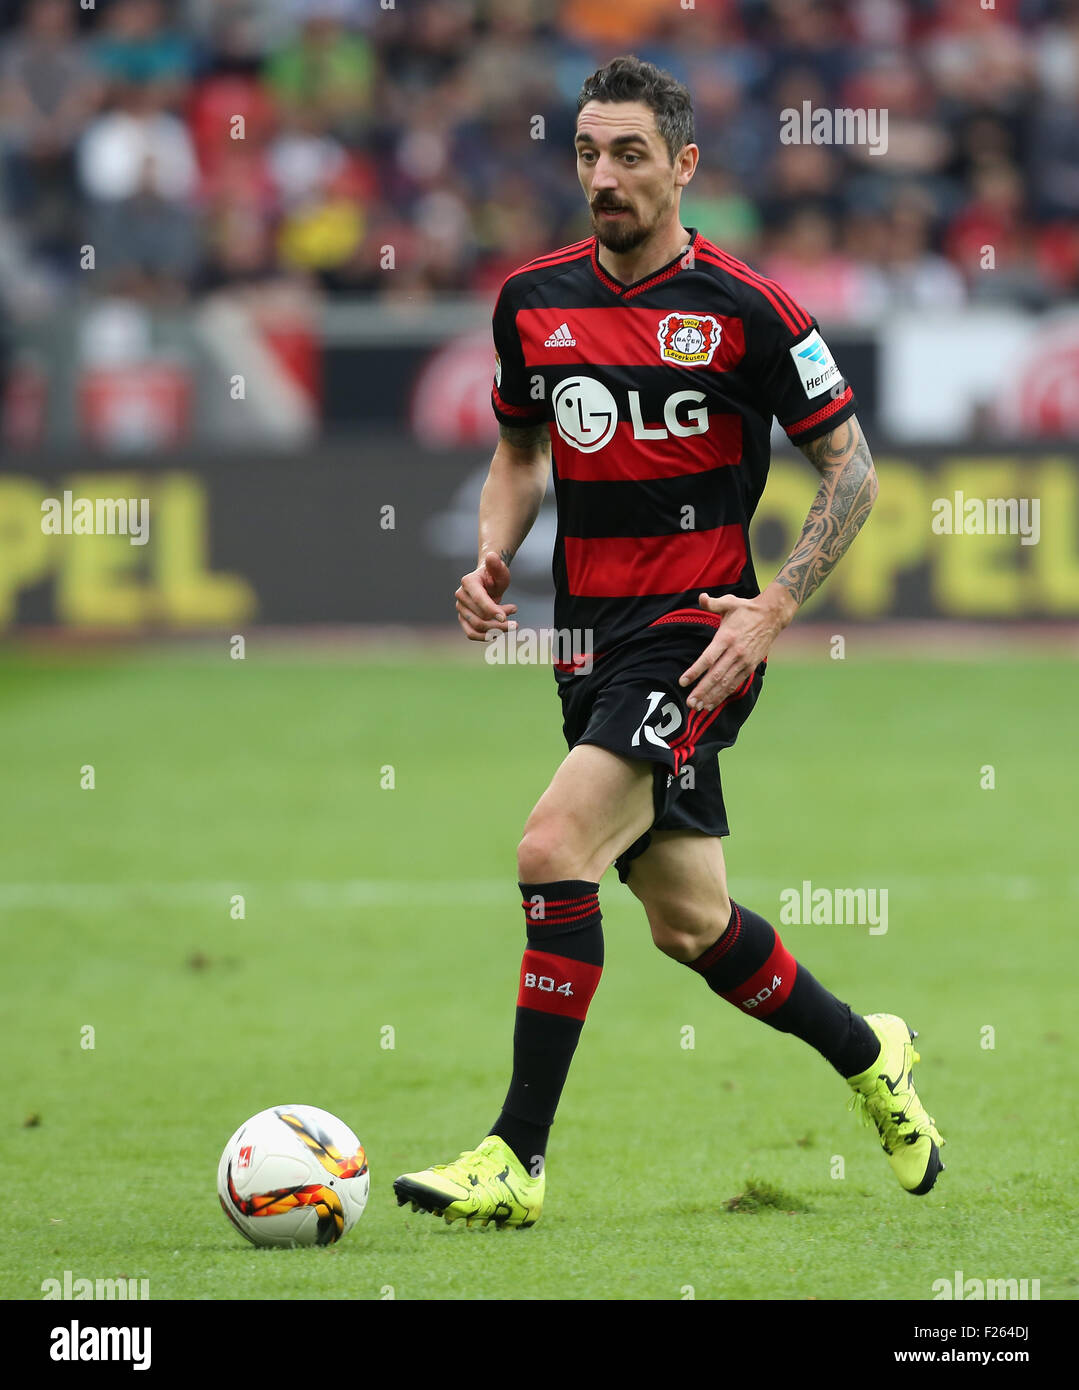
(659, 397)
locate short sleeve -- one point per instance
(511, 394)
(798, 379)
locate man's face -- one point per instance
(626, 172)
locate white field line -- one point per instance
(380, 643)
(363, 892)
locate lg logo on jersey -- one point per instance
(586, 414)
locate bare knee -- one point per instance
(686, 934)
(679, 945)
(545, 853)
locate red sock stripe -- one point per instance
(723, 945)
(763, 992)
(570, 902)
(565, 909)
(553, 984)
(558, 918)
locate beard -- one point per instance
(628, 232)
(624, 235)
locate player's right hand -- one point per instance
(479, 609)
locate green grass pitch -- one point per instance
(370, 908)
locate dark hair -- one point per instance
(628, 79)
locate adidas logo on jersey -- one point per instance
(561, 337)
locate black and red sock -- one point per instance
(751, 968)
(559, 976)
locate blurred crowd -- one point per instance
(206, 143)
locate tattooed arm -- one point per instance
(513, 493)
(846, 494)
(509, 504)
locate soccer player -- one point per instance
(650, 364)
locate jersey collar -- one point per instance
(657, 277)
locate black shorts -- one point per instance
(631, 703)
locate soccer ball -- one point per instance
(293, 1175)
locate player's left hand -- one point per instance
(750, 626)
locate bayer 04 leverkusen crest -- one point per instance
(689, 339)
